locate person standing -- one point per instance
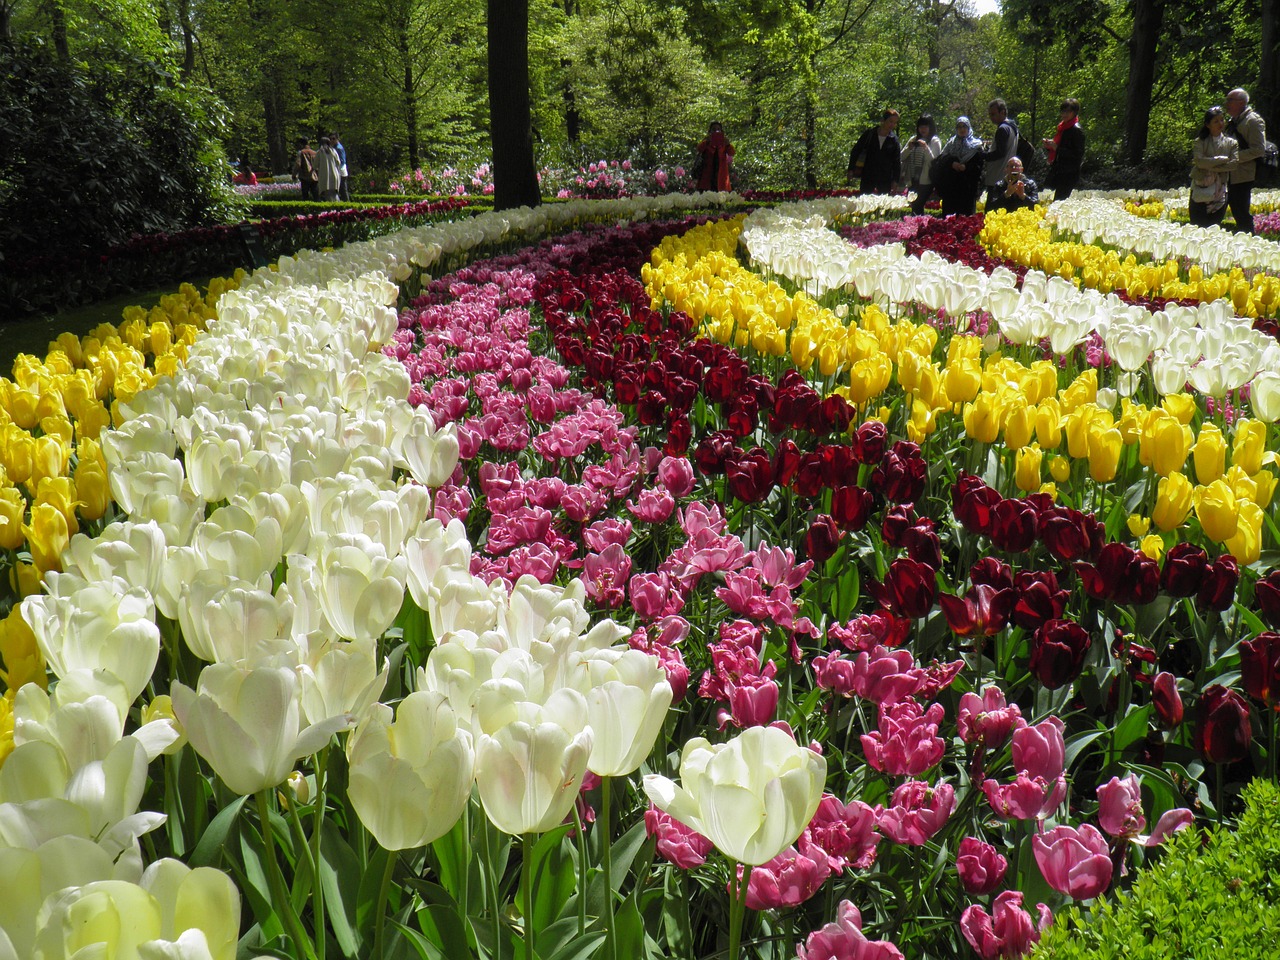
(1003, 145)
(328, 171)
(1249, 131)
(1066, 151)
(304, 169)
(959, 170)
(715, 154)
(917, 161)
(876, 159)
(1213, 157)
(344, 190)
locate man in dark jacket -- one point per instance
(877, 157)
(1066, 151)
(1015, 191)
(1250, 133)
(1003, 146)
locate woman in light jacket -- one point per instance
(917, 159)
(1213, 157)
(329, 170)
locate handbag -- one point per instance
(1204, 194)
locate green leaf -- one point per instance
(1077, 744)
(554, 876)
(367, 896)
(340, 878)
(577, 948)
(453, 857)
(254, 885)
(442, 925)
(1133, 727)
(209, 849)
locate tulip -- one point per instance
(987, 719)
(751, 797)
(918, 812)
(410, 779)
(906, 744)
(676, 474)
(900, 477)
(1266, 591)
(1008, 932)
(1074, 861)
(980, 866)
(1039, 750)
(1246, 545)
(847, 832)
(1210, 454)
(1120, 807)
(851, 507)
(1167, 700)
(750, 475)
(13, 508)
(1223, 731)
(1260, 667)
(1014, 525)
(823, 539)
(908, 590)
(843, 940)
(789, 879)
(983, 612)
(674, 841)
(247, 723)
(1218, 589)
(1216, 510)
(529, 768)
(1027, 469)
(1071, 535)
(1164, 443)
(1039, 598)
(1058, 649)
(1249, 445)
(627, 701)
(1174, 499)
(1105, 447)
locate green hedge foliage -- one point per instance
(1214, 899)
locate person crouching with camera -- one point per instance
(1015, 191)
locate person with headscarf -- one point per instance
(958, 170)
(715, 154)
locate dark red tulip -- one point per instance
(1223, 729)
(786, 462)
(750, 475)
(973, 503)
(922, 543)
(1121, 574)
(626, 389)
(869, 441)
(837, 414)
(1058, 650)
(1267, 593)
(713, 452)
(1014, 525)
(742, 420)
(898, 519)
(982, 612)
(1167, 700)
(900, 476)
(823, 539)
(722, 384)
(1071, 535)
(652, 408)
(808, 480)
(993, 572)
(1260, 668)
(851, 506)
(908, 589)
(1218, 590)
(679, 436)
(1186, 567)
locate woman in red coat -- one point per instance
(714, 156)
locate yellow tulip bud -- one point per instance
(1164, 444)
(1105, 447)
(1249, 446)
(23, 662)
(17, 453)
(13, 510)
(1019, 422)
(1246, 544)
(963, 379)
(1181, 405)
(1152, 546)
(982, 418)
(1060, 469)
(1027, 471)
(1217, 511)
(1173, 502)
(47, 536)
(1138, 525)
(1049, 423)
(1210, 454)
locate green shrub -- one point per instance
(1212, 900)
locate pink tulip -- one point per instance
(655, 595)
(654, 506)
(987, 719)
(676, 474)
(789, 879)
(886, 676)
(918, 812)
(843, 940)
(601, 534)
(684, 847)
(753, 701)
(1026, 798)
(1009, 933)
(1169, 823)
(1074, 861)
(605, 574)
(1120, 807)
(907, 743)
(778, 568)
(981, 868)
(847, 832)
(1040, 751)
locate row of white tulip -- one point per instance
(277, 504)
(1206, 345)
(1213, 249)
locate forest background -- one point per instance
(794, 81)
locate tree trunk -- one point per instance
(572, 119)
(1267, 97)
(410, 102)
(273, 123)
(515, 180)
(58, 27)
(1148, 16)
(810, 135)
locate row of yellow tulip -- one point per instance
(997, 398)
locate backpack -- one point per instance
(1268, 165)
(1025, 152)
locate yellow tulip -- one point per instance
(1249, 446)
(1049, 423)
(1152, 546)
(47, 536)
(963, 379)
(1210, 454)
(1266, 484)
(1105, 447)
(1181, 405)
(1060, 469)
(1019, 422)
(1084, 389)
(93, 491)
(1241, 484)
(1077, 425)
(1138, 525)
(1027, 471)
(50, 456)
(1217, 511)
(17, 453)
(20, 403)
(13, 510)
(1164, 444)
(982, 418)
(1246, 544)
(60, 492)
(1174, 497)
(23, 662)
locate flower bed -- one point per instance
(576, 552)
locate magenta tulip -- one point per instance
(1074, 860)
(980, 866)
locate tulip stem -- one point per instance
(606, 863)
(582, 872)
(316, 833)
(526, 881)
(380, 915)
(737, 907)
(275, 879)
